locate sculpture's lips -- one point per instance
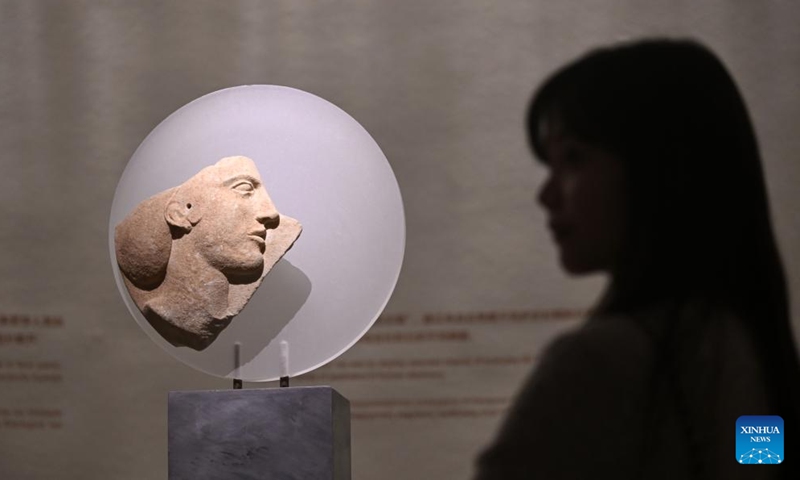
(258, 239)
(259, 236)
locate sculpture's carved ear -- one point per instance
(182, 214)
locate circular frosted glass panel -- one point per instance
(319, 167)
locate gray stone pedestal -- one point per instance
(300, 433)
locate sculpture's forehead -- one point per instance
(225, 169)
(231, 166)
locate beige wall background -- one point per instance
(442, 87)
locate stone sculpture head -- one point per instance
(193, 255)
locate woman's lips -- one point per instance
(559, 230)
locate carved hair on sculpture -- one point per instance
(193, 255)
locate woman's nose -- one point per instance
(548, 196)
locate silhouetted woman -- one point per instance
(656, 179)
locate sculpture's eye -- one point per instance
(244, 187)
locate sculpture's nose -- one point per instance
(270, 220)
(268, 215)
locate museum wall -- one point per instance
(441, 86)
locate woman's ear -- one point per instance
(182, 214)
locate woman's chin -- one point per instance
(579, 266)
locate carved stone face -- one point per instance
(192, 256)
(232, 213)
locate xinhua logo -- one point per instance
(759, 439)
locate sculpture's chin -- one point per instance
(245, 263)
(245, 272)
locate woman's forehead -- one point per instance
(559, 137)
(552, 127)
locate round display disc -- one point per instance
(320, 168)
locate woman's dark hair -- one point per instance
(699, 215)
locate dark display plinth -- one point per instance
(298, 433)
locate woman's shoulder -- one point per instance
(589, 389)
(620, 342)
(595, 386)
